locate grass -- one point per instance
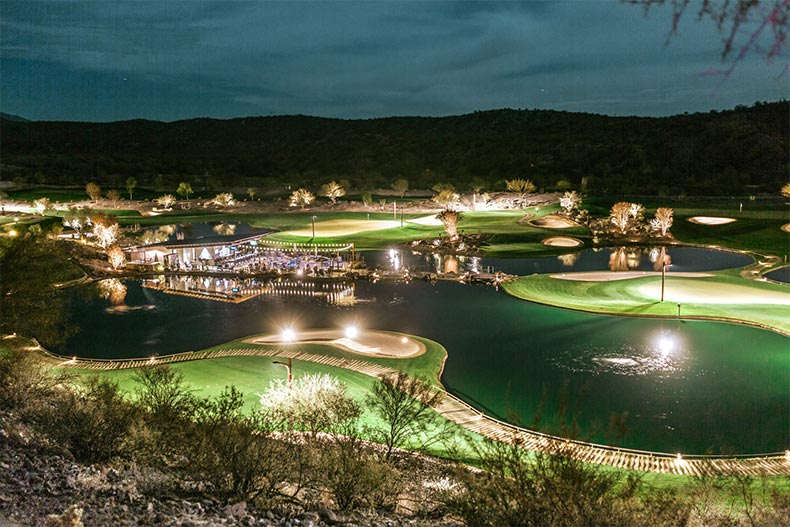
(632, 297)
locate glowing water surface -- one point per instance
(673, 386)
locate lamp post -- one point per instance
(313, 218)
(663, 278)
(289, 368)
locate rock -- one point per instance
(328, 516)
(237, 510)
(71, 517)
(150, 507)
(270, 515)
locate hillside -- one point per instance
(735, 152)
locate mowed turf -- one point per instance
(721, 296)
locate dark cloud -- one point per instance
(171, 60)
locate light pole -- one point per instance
(289, 367)
(313, 218)
(663, 278)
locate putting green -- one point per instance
(325, 229)
(561, 241)
(711, 220)
(363, 342)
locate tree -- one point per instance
(400, 186)
(446, 198)
(251, 192)
(332, 190)
(570, 201)
(563, 185)
(42, 204)
(450, 219)
(405, 406)
(115, 256)
(663, 220)
(166, 201)
(223, 199)
(77, 218)
(105, 229)
(620, 215)
(93, 190)
(184, 189)
(113, 195)
(131, 183)
(786, 190)
(522, 187)
(312, 403)
(441, 187)
(301, 197)
(636, 210)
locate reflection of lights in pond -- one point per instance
(395, 259)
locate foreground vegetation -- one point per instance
(307, 452)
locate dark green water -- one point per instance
(709, 387)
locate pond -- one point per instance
(779, 275)
(615, 259)
(673, 386)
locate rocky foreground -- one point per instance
(41, 487)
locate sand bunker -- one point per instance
(562, 241)
(608, 276)
(786, 227)
(711, 220)
(367, 342)
(343, 227)
(553, 222)
(431, 220)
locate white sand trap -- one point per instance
(343, 227)
(786, 227)
(692, 292)
(561, 241)
(711, 220)
(608, 276)
(553, 222)
(431, 220)
(367, 342)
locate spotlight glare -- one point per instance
(288, 335)
(352, 332)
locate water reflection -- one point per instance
(660, 257)
(235, 290)
(569, 260)
(225, 228)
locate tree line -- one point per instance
(734, 152)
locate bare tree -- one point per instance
(93, 190)
(404, 404)
(113, 195)
(522, 187)
(41, 205)
(663, 220)
(166, 201)
(115, 256)
(400, 186)
(301, 197)
(332, 190)
(636, 210)
(105, 229)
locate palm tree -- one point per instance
(450, 219)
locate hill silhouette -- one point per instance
(734, 152)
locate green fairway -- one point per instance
(725, 296)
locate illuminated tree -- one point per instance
(440, 187)
(301, 197)
(400, 186)
(522, 187)
(42, 204)
(93, 190)
(570, 200)
(105, 229)
(446, 198)
(113, 195)
(332, 190)
(620, 215)
(166, 201)
(313, 403)
(77, 218)
(251, 192)
(786, 190)
(131, 183)
(184, 189)
(663, 220)
(112, 289)
(224, 199)
(636, 210)
(450, 219)
(115, 256)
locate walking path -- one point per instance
(464, 415)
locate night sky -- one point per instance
(104, 61)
